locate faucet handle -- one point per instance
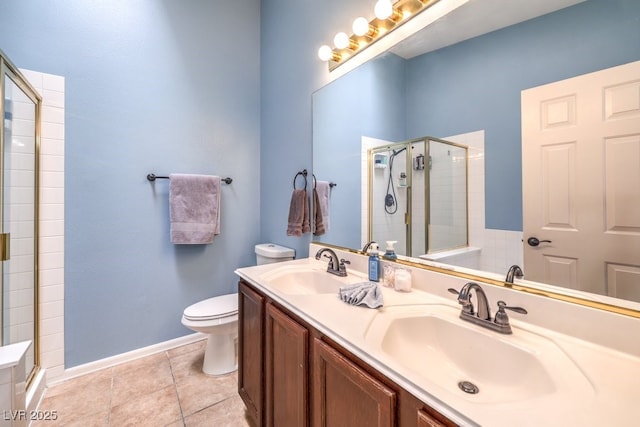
(465, 302)
(342, 266)
(330, 260)
(501, 316)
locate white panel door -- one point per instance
(581, 182)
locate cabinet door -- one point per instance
(287, 355)
(426, 420)
(250, 344)
(345, 395)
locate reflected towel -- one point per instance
(318, 221)
(365, 293)
(324, 193)
(194, 208)
(298, 222)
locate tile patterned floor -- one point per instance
(164, 389)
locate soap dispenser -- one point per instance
(374, 263)
(391, 252)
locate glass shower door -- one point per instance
(19, 213)
(448, 217)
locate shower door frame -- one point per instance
(427, 187)
(9, 70)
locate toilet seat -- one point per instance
(213, 308)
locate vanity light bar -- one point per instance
(389, 16)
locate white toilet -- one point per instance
(218, 318)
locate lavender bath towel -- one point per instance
(321, 215)
(194, 208)
(298, 221)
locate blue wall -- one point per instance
(365, 102)
(151, 86)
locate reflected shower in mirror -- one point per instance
(417, 195)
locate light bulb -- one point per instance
(341, 40)
(360, 26)
(383, 9)
(325, 53)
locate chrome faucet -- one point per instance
(516, 271)
(366, 247)
(335, 266)
(464, 299)
(483, 316)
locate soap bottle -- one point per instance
(374, 263)
(391, 252)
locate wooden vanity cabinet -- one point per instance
(286, 368)
(250, 349)
(344, 394)
(289, 374)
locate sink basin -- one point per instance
(432, 344)
(307, 280)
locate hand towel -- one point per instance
(298, 221)
(194, 208)
(318, 224)
(365, 293)
(324, 193)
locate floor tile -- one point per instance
(188, 348)
(87, 397)
(142, 377)
(165, 389)
(228, 413)
(198, 392)
(186, 365)
(156, 409)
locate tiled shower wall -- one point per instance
(51, 243)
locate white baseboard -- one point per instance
(108, 362)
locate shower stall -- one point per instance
(20, 107)
(418, 195)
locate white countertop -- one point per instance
(608, 395)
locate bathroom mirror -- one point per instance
(473, 86)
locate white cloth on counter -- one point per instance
(365, 293)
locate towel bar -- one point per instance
(331, 184)
(152, 177)
(304, 174)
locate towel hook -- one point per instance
(304, 174)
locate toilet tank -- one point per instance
(268, 253)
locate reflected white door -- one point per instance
(581, 182)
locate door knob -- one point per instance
(534, 241)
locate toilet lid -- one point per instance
(213, 308)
